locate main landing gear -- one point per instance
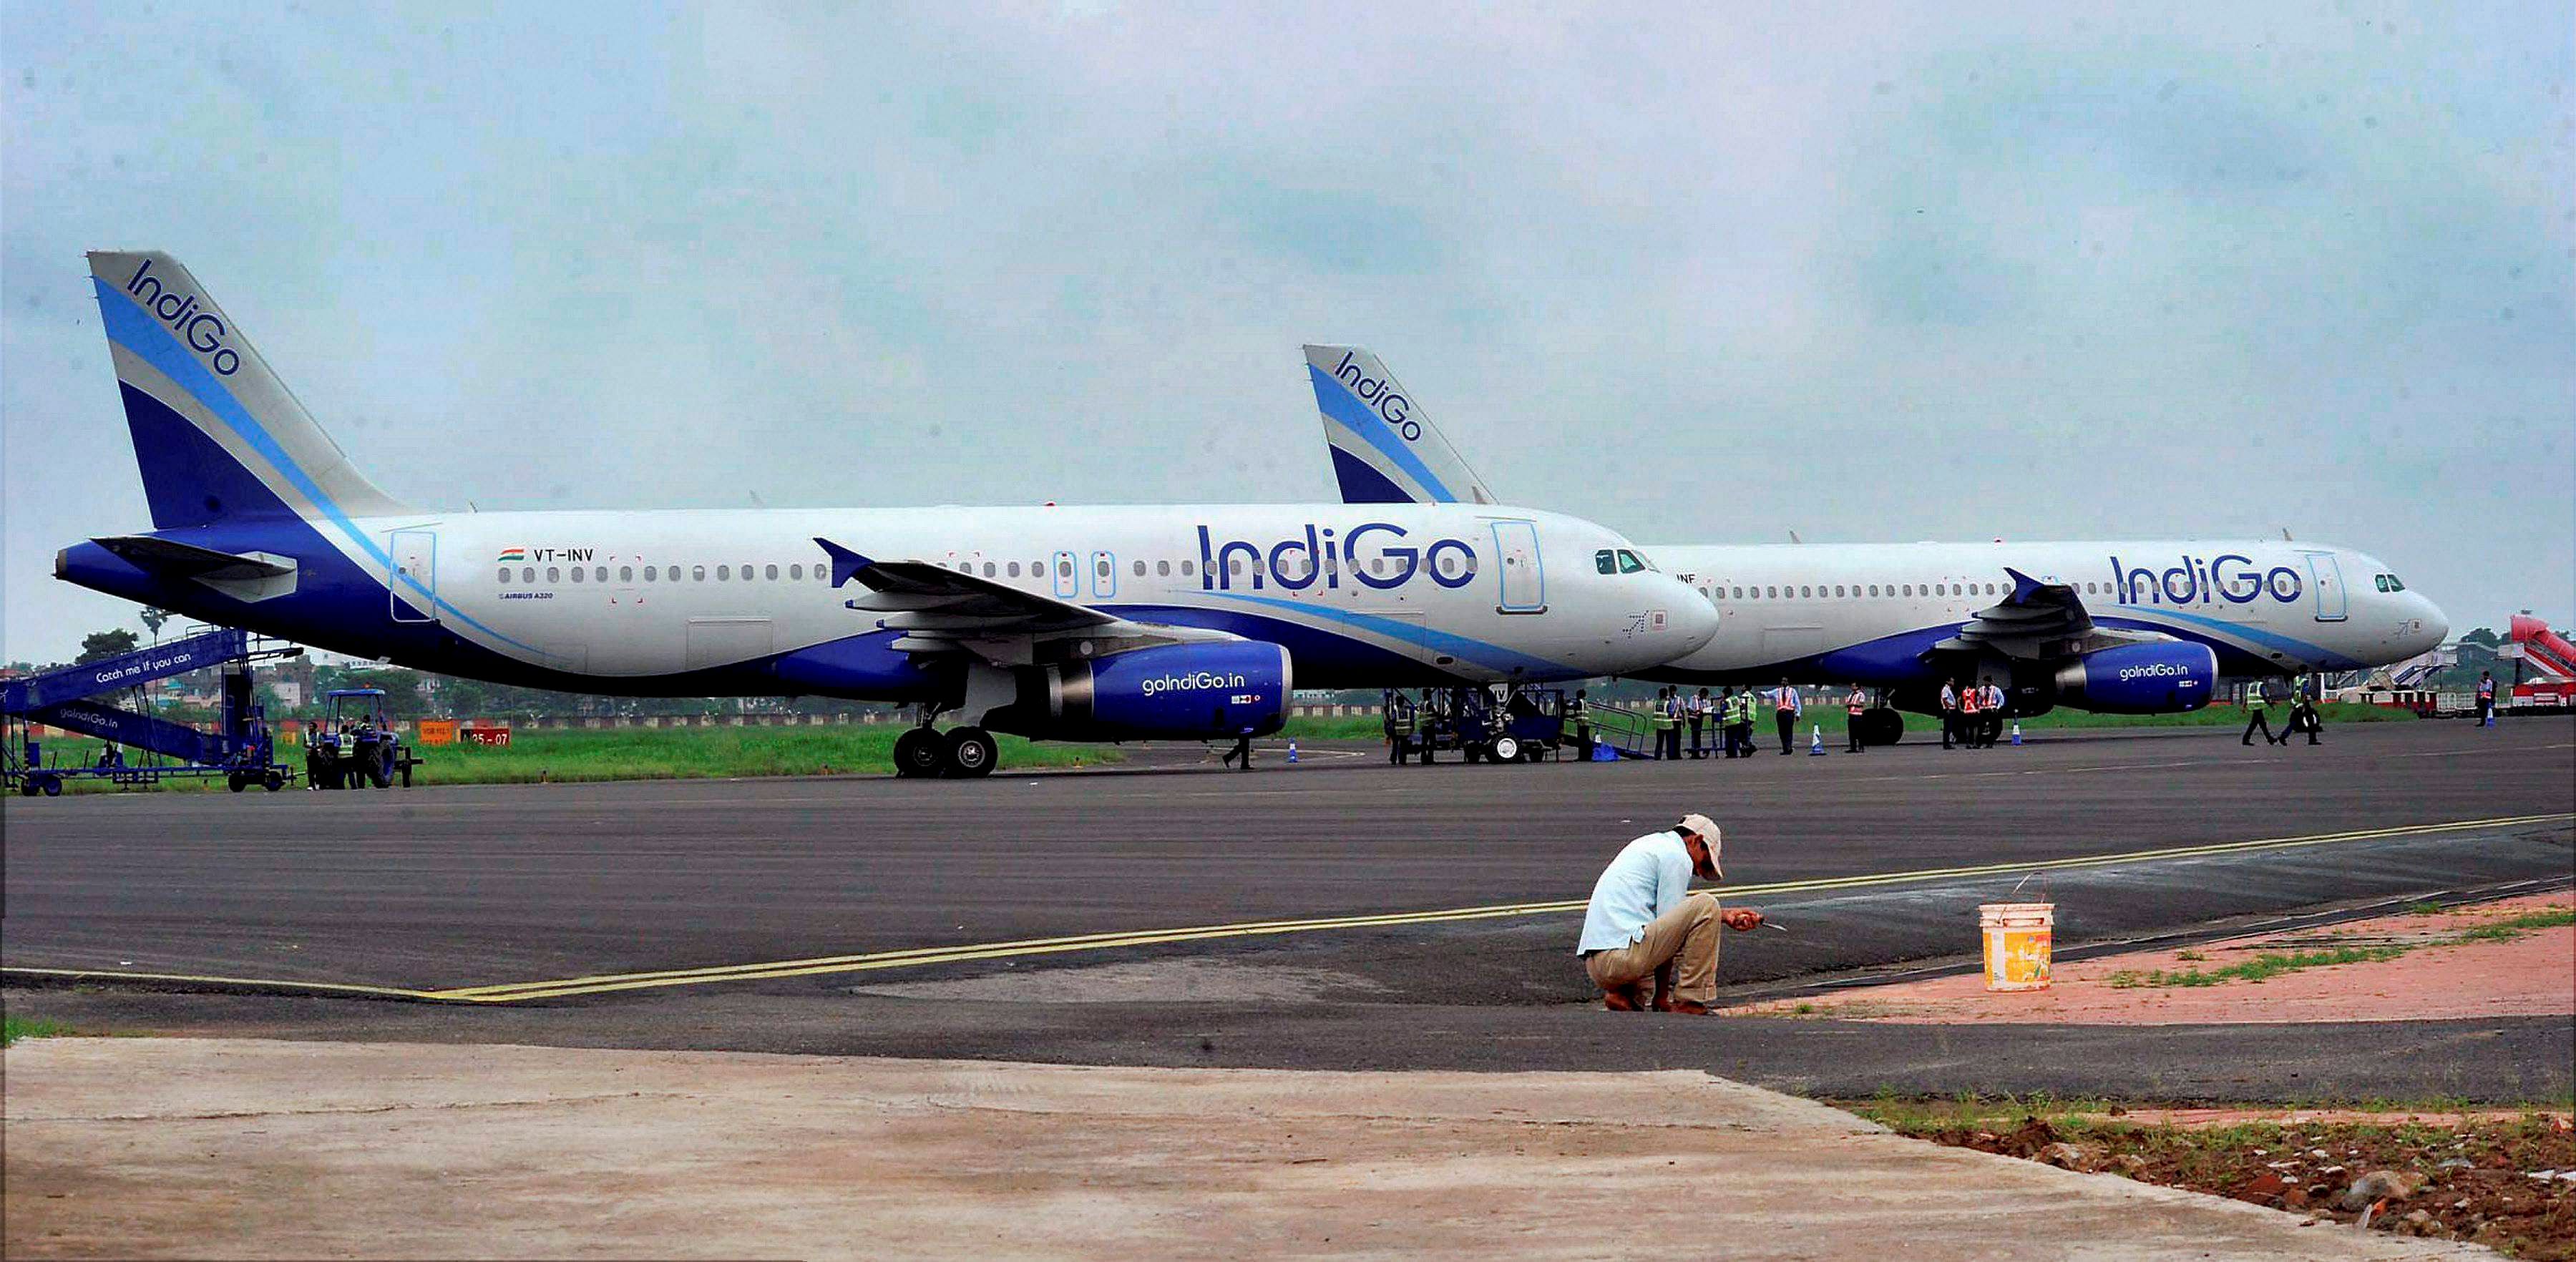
(960, 753)
(1881, 724)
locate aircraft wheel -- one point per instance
(918, 754)
(1505, 749)
(970, 753)
(1881, 726)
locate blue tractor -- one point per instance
(356, 746)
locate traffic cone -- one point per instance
(1292, 751)
(1816, 745)
(2016, 731)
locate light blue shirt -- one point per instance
(1797, 705)
(1651, 876)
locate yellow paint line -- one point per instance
(919, 956)
(267, 983)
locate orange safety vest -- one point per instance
(1856, 703)
(1968, 701)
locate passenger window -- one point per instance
(795, 572)
(1771, 593)
(724, 573)
(505, 574)
(626, 574)
(1100, 568)
(554, 574)
(769, 572)
(1013, 570)
(1189, 568)
(697, 573)
(1606, 561)
(576, 573)
(651, 574)
(528, 574)
(1838, 590)
(1064, 569)
(1140, 569)
(1873, 591)
(1162, 569)
(1739, 593)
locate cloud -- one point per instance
(2028, 270)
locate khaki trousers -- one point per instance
(1686, 936)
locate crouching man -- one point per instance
(1645, 925)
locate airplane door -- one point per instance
(1104, 576)
(412, 584)
(2327, 577)
(1068, 584)
(1524, 579)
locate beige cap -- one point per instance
(1706, 829)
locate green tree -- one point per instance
(101, 645)
(152, 619)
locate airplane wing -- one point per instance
(940, 610)
(2038, 620)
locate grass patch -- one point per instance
(13, 1029)
(2512, 927)
(558, 755)
(2269, 964)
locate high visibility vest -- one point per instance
(2254, 698)
(2486, 690)
(1785, 699)
(1856, 703)
(1576, 710)
(1968, 702)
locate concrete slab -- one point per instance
(249, 1148)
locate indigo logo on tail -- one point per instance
(1379, 393)
(202, 330)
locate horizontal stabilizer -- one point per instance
(187, 560)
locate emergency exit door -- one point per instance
(2327, 578)
(411, 581)
(1524, 578)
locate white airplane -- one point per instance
(1104, 623)
(2123, 627)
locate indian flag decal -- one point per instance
(514, 554)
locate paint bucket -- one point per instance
(2017, 944)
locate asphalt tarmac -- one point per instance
(1337, 912)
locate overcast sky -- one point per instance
(1892, 273)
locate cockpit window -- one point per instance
(1606, 561)
(1628, 562)
(2396, 584)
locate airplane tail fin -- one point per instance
(1385, 451)
(217, 435)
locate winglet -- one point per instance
(845, 563)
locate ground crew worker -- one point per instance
(1854, 706)
(1698, 724)
(2303, 710)
(1971, 702)
(1645, 925)
(1994, 709)
(1579, 713)
(1432, 714)
(1668, 724)
(1400, 724)
(2486, 698)
(1786, 708)
(1747, 709)
(2257, 707)
(1949, 711)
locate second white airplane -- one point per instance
(2125, 627)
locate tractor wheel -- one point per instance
(273, 781)
(1505, 749)
(53, 786)
(235, 782)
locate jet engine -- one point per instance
(2164, 678)
(1199, 691)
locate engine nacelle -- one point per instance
(2140, 679)
(1170, 692)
